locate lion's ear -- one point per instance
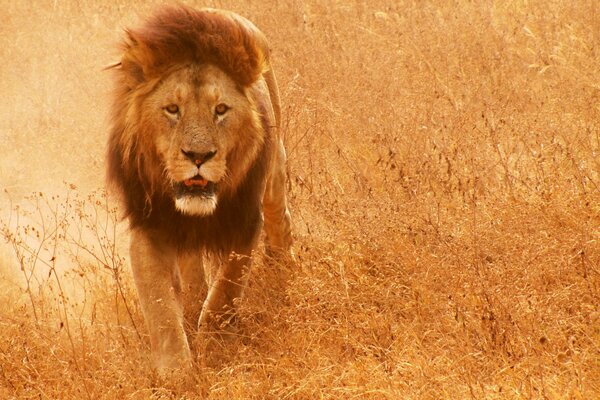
(134, 60)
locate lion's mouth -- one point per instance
(195, 186)
(196, 181)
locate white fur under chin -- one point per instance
(196, 205)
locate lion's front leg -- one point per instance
(154, 265)
(193, 288)
(226, 283)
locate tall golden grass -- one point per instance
(444, 172)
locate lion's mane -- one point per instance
(174, 37)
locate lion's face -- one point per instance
(205, 132)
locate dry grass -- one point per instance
(444, 165)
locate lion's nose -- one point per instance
(199, 158)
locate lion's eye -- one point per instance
(172, 108)
(221, 109)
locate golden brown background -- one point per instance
(444, 168)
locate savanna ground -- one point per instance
(444, 172)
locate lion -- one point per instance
(196, 157)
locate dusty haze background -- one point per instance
(444, 169)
